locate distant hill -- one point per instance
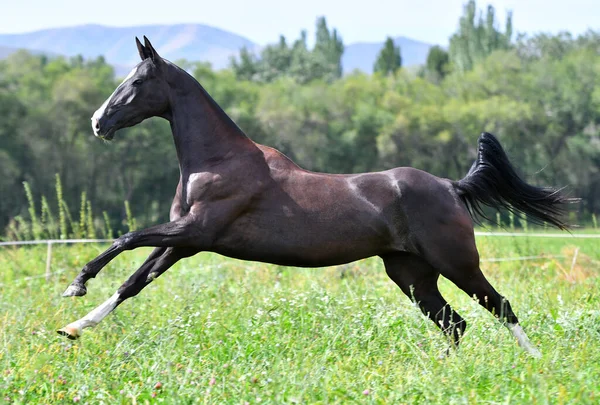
(194, 42)
(6, 51)
(362, 55)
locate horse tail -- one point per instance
(492, 181)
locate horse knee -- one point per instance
(123, 241)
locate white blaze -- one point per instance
(100, 111)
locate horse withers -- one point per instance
(250, 202)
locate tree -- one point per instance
(389, 59)
(436, 66)
(324, 61)
(247, 67)
(475, 40)
(330, 47)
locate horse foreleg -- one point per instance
(165, 235)
(154, 266)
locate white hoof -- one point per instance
(534, 352)
(75, 291)
(71, 332)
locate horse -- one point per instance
(250, 202)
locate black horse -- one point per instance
(250, 202)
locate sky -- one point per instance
(262, 21)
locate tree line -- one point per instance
(539, 94)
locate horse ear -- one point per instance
(151, 51)
(141, 50)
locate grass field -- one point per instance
(215, 330)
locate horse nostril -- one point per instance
(95, 123)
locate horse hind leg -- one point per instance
(418, 280)
(456, 256)
(476, 285)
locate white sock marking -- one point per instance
(523, 340)
(97, 314)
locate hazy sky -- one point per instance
(264, 20)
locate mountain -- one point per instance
(362, 55)
(6, 51)
(194, 42)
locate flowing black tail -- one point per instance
(493, 181)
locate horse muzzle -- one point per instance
(102, 131)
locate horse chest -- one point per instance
(199, 187)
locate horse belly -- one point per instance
(305, 241)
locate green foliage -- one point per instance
(131, 222)
(62, 218)
(82, 216)
(389, 59)
(45, 225)
(329, 47)
(108, 232)
(437, 65)
(90, 229)
(478, 37)
(247, 66)
(35, 224)
(323, 62)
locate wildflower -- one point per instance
(158, 385)
(76, 399)
(212, 381)
(153, 394)
(366, 392)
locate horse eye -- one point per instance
(137, 82)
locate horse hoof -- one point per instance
(70, 332)
(534, 352)
(75, 290)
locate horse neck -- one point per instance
(202, 132)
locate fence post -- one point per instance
(48, 260)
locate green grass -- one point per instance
(215, 330)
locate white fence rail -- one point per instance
(50, 242)
(541, 235)
(53, 241)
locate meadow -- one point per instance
(221, 331)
